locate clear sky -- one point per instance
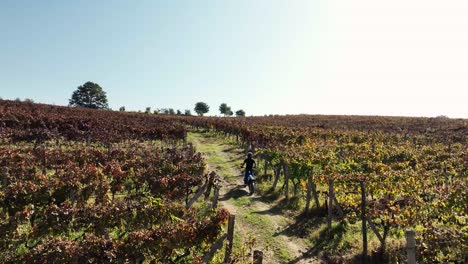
(399, 57)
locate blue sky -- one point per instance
(265, 56)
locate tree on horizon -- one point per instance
(89, 95)
(201, 108)
(240, 112)
(224, 108)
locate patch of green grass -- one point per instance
(345, 239)
(211, 150)
(258, 221)
(266, 234)
(336, 241)
(283, 254)
(242, 201)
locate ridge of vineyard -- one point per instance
(23, 121)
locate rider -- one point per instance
(250, 165)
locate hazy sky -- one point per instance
(399, 57)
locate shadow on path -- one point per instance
(326, 239)
(303, 225)
(274, 210)
(234, 193)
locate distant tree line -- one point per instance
(91, 95)
(225, 110)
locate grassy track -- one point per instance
(256, 221)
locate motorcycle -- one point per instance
(250, 182)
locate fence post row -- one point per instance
(410, 246)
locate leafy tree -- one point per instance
(89, 95)
(171, 111)
(240, 112)
(156, 112)
(29, 100)
(179, 112)
(188, 112)
(18, 99)
(148, 110)
(122, 109)
(201, 108)
(224, 109)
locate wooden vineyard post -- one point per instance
(364, 221)
(337, 206)
(210, 184)
(410, 246)
(277, 172)
(330, 204)
(286, 180)
(215, 247)
(4, 175)
(314, 192)
(257, 257)
(197, 195)
(376, 232)
(44, 160)
(230, 239)
(309, 194)
(109, 146)
(214, 200)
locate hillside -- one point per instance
(70, 174)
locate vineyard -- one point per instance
(100, 187)
(388, 173)
(109, 187)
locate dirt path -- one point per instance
(255, 220)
